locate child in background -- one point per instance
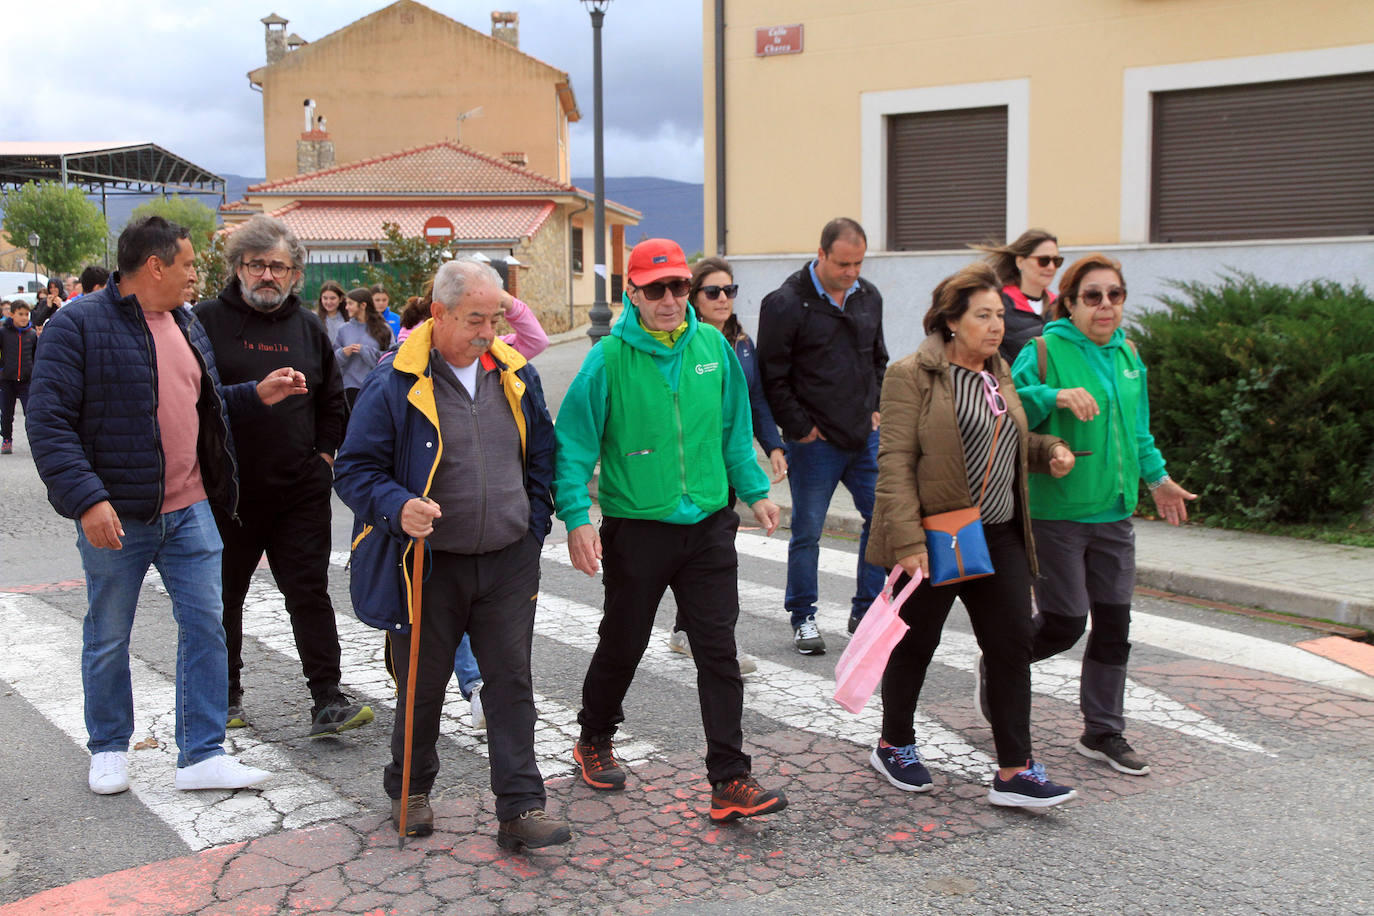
(18, 341)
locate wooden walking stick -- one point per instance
(417, 567)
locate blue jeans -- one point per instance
(185, 547)
(465, 668)
(813, 471)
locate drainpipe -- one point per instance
(720, 127)
(572, 312)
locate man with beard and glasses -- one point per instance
(285, 460)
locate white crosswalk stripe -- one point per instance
(40, 656)
(1056, 677)
(1199, 641)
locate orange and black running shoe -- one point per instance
(742, 796)
(600, 769)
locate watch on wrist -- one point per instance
(1156, 484)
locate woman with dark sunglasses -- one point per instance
(954, 436)
(1026, 268)
(712, 293)
(1085, 383)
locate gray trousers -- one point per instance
(1087, 569)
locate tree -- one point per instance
(184, 211)
(69, 227)
(212, 270)
(408, 264)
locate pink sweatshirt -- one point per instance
(529, 339)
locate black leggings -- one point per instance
(1000, 611)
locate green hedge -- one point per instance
(1262, 398)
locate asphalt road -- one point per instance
(1257, 802)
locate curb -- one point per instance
(1297, 602)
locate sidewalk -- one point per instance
(1291, 576)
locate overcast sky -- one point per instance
(173, 73)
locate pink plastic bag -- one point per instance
(861, 666)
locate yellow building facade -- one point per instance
(1076, 85)
(405, 76)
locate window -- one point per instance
(577, 249)
(1283, 159)
(946, 178)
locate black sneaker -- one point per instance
(598, 766)
(1030, 788)
(533, 829)
(234, 717)
(980, 689)
(854, 621)
(1115, 751)
(902, 767)
(807, 638)
(338, 715)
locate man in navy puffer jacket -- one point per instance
(127, 425)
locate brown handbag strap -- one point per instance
(992, 453)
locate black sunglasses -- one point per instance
(1045, 260)
(654, 291)
(1093, 297)
(731, 290)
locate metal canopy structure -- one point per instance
(132, 168)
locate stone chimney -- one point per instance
(506, 27)
(294, 41)
(315, 148)
(516, 158)
(276, 37)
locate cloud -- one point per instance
(173, 73)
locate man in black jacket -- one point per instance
(285, 462)
(822, 357)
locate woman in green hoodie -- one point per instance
(1084, 382)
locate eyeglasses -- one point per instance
(1045, 260)
(1093, 297)
(258, 268)
(713, 292)
(654, 291)
(991, 390)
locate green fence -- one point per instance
(347, 274)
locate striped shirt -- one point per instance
(976, 423)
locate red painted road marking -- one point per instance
(1357, 655)
(175, 886)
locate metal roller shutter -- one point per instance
(946, 178)
(1286, 159)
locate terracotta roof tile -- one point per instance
(359, 221)
(439, 168)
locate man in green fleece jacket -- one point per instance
(663, 404)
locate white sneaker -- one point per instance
(219, 772)
(479, 715)
(747, 663)
(109, 773)
(679, 642)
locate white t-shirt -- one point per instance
(468, 376)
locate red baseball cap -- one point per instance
(655, 259)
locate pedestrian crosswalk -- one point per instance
(40, 653)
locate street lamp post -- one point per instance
(33, 255)
(601, 310)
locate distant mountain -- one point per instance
(672, 209)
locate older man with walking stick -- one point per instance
(447, 463)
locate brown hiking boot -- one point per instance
(599, 768)
(533, 829)
(419, 815)
(740, 797)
